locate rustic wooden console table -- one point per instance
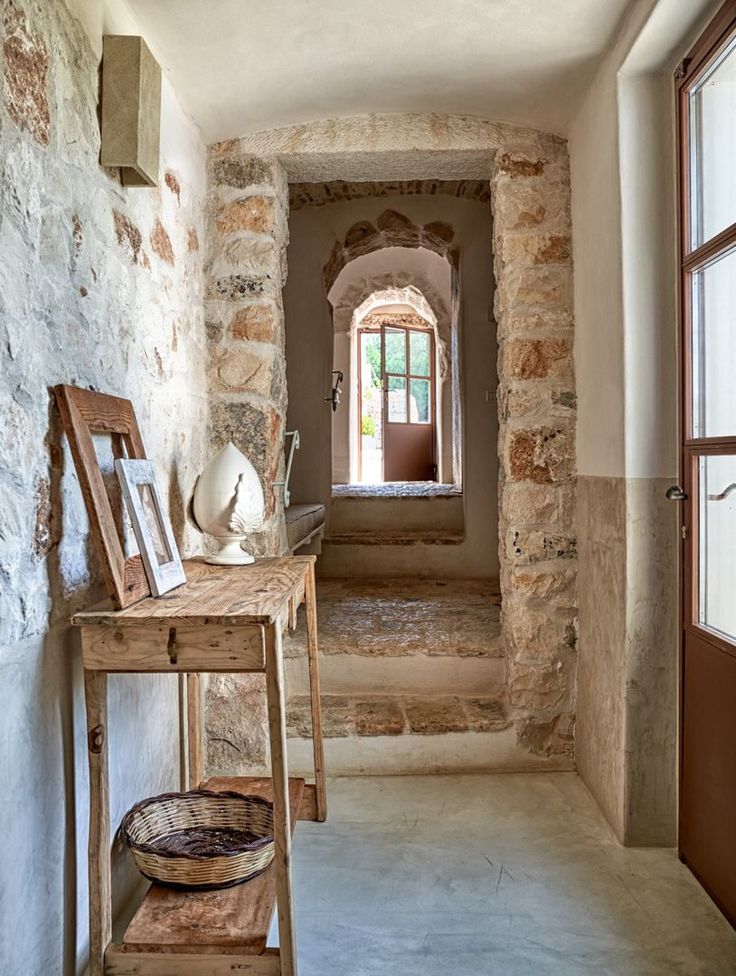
(226, 619)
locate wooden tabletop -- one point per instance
(231, 595)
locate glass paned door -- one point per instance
(409, 410)
(397, 408)
(706, 93)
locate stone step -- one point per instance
(404, 617)
(356, 674)
(395, 715)
(388, 515)
(396, 537)
(407, 734)
(406, 557)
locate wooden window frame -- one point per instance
(718, 35)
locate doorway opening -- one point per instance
(397, 402)
(395, 327)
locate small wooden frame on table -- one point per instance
(223, 619)
(151, 524)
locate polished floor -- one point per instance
(492, 875)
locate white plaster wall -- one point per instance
(309, 346)
(624, 204)
(76, 307)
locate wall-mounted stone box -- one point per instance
(131, 109)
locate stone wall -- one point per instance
(530, 202)
(531, 206)
(99, 286)
(391, 229)
(247, 216)
(319, 194)
(246, 269)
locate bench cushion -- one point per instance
(301, 521)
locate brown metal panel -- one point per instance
(708, 800)
(409, 452)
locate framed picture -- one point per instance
(150, 524)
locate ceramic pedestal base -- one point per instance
(230, 554)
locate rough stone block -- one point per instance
(161, 242)
(552, 738)
(532, 249)
(520, 323)
(382, 716)
(485, 715)
(246, 369)
(538, 635)
(244, 172)
(528, 546)
(236, 723)
(546, 287)
(25, 72)
(545, 584)
(255, 323)
(533, 687)
(255, 214)
(252, 257)
(544, 456)
(527, 504)
(527, 359)
(520, 164)
(432, 715)
(241, 286)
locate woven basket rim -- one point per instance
(145, 848)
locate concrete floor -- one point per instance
(492, 875)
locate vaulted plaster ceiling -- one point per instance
(241, 66)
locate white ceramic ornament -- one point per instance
(228, 503)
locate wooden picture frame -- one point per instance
(83, 413)
(151, 524)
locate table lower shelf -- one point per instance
(215, 924)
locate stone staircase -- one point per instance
(413, 679)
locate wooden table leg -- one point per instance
(100, 894)
(194, 732)
(313, 654)
(281, 813)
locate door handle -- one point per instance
(676, 494)
(723, 495)
(334, 397)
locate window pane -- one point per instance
(371, 409)
(714, 348)
(397, 399)
(419, 353)
(717, 542)
(419, 401)
(395, 351)
(713, 142)
(370, 359)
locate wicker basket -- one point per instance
(200, 840)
